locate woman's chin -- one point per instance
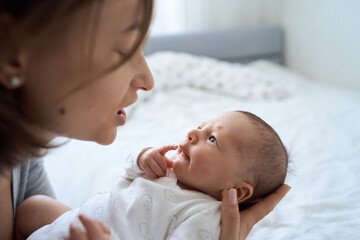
(106, 139)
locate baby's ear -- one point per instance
(244, 191)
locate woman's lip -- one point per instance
(121, 117)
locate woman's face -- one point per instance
(57, 66)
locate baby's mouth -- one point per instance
(184, 156)
(181, 153)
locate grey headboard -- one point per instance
(238, 45)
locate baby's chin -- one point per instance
(184, 186)
(189, 187)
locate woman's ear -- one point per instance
(11, 62)
(11, 72)
(244, 191)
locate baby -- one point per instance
(163, 199)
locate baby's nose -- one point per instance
(192, 138)
(183, 142)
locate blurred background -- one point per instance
(321, 38)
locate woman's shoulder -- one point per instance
(30, 179)
(23, 173)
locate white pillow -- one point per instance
(172, 70)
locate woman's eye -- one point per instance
(213, 140)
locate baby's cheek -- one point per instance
(178, 168)
(175, 166)
(204, 166)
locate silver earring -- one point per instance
(15, 82)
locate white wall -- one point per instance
(174, 16)
(322, 37)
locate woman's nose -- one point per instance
(192, 136)
(143, 79)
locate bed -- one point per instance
(200, 74)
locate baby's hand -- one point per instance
(154, 162)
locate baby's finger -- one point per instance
(148, 170)
(169, 162)
(164, 149)
(155, 166)
(93, 228)
(161, 161)
(76, 233)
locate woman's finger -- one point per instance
(76, 233)
(255, 213)
(93, 228)
(104, 228)
(230, 217)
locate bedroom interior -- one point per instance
(293, 63)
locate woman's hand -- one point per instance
(235, 225)
(95, 230)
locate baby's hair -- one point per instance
(270, 159)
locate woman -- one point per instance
(69, 68)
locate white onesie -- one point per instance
(140, 207)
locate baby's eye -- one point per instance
(213, 140)
(198, 127)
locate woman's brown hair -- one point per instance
(33, 18)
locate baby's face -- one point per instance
(209, 158)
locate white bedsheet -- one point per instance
(318, 123)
